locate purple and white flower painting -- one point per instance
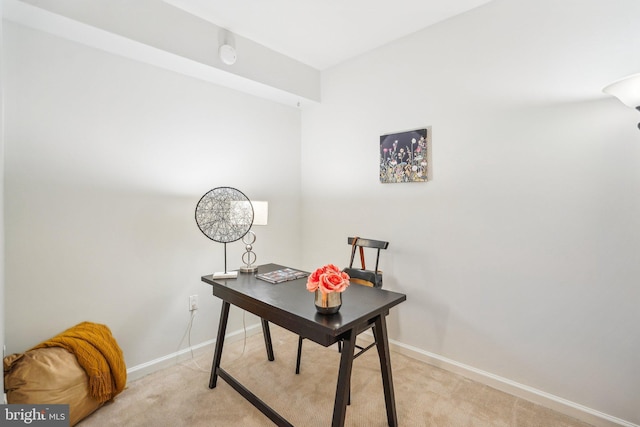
(403, 156)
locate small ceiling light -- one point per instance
(227, 54)
(226, 50)
(627, 90)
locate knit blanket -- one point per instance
(99, 355)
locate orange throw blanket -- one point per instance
(99, 355)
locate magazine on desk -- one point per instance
(282, 275)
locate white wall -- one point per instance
(521, 257)
(106, 159)
(2, 300)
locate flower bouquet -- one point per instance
(328, 283)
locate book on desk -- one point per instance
(282, 275)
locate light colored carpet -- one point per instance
(425, 395)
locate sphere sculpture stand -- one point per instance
(224, 215)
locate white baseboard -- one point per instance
(154, 365)
(564, 406)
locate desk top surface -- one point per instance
(291, 305)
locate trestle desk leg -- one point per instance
(267, 340)
(344, 380)
(382, 342)
(222, 329)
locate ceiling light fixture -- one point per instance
(227, 54)
(627, 90)
(227, 50)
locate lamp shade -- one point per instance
(260, 212)
(626, 90)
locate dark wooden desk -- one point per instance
(290, 306)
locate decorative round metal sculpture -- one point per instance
(249, 257)
(224, 214)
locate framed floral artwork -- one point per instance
(403, 156)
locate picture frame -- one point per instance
(405, 156)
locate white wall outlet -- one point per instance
(193, 302)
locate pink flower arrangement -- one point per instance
(328, 279)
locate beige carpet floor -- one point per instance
(425, 395)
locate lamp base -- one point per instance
(248, 269)
(225, 275)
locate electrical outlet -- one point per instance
(193, 302)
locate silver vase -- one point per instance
(328, 303)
